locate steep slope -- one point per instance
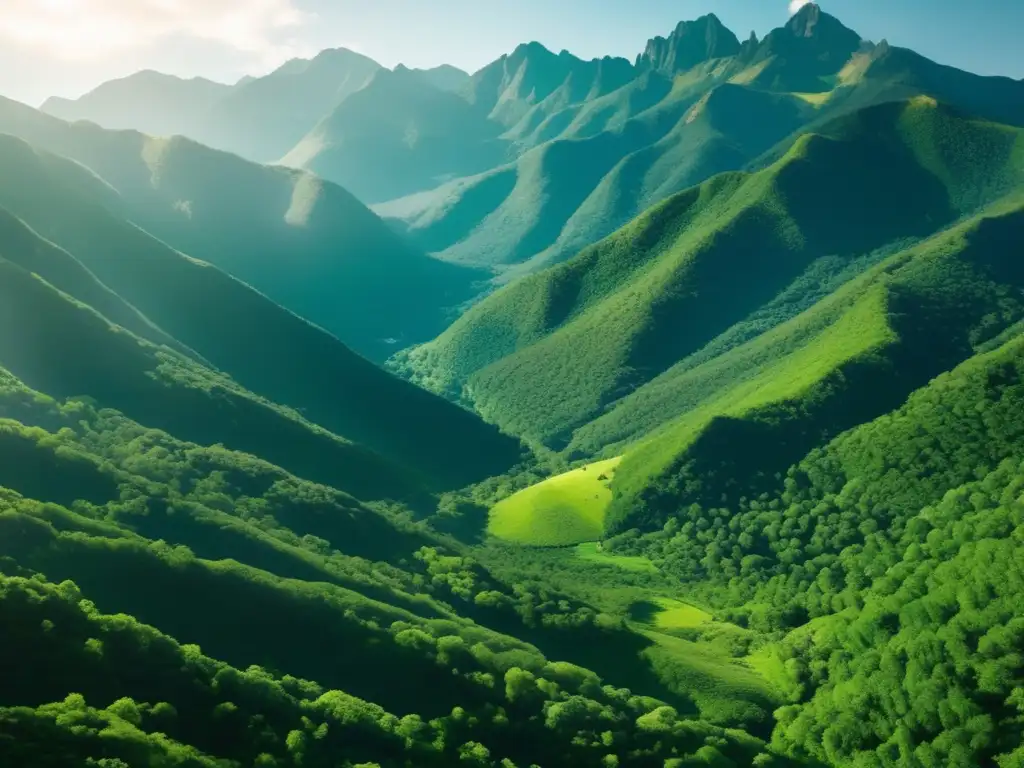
(532, 82)
(690, 43)
(856, 356)
(701, 103)
(23, 247)
(264, 118)
(724, 130)
(306, 243)
(549, 353)
(60, 346)
(234, 327)
(804, 56)
(506, 215)
(398, 135)
(151, 102)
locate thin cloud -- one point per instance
(796, 5)
(98, 29)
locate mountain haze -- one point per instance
(151, 102)
(264, 118)
(397, 135)
(307, 244)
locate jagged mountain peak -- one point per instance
(811, 22)
(691, 43)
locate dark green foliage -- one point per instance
(216, 314)
(698, 103)
(550, 353)
(296, 578)
(897, 541)
(65, 348)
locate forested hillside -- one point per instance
(170, 299)
(715, 265)
(673, 417)
(280, 573)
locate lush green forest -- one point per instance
(673, 418)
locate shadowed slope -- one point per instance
(264, 347)
(306, 243)
(547, 354)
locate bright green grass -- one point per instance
(861, 329)
(675, 614)
(592, 553)
(815, 99)
(562, 510)
(725, 689)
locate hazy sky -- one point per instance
(65, 47)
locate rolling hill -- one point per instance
(307, 244)
(551, 353)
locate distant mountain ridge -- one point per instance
(539, 154)
(307, 244)
(148, 101)
(691, 43)
(699, 103)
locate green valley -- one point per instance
(662, 412)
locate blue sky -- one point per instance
(68, 46)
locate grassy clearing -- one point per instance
(563, 510)
(675, 614)
(592, 553)
(724, 689)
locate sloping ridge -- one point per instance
(264, 347)
(916, 315)
(306, 243)
(398, 135)
(586, 333)
(66, 349)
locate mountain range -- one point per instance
(651, 413)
